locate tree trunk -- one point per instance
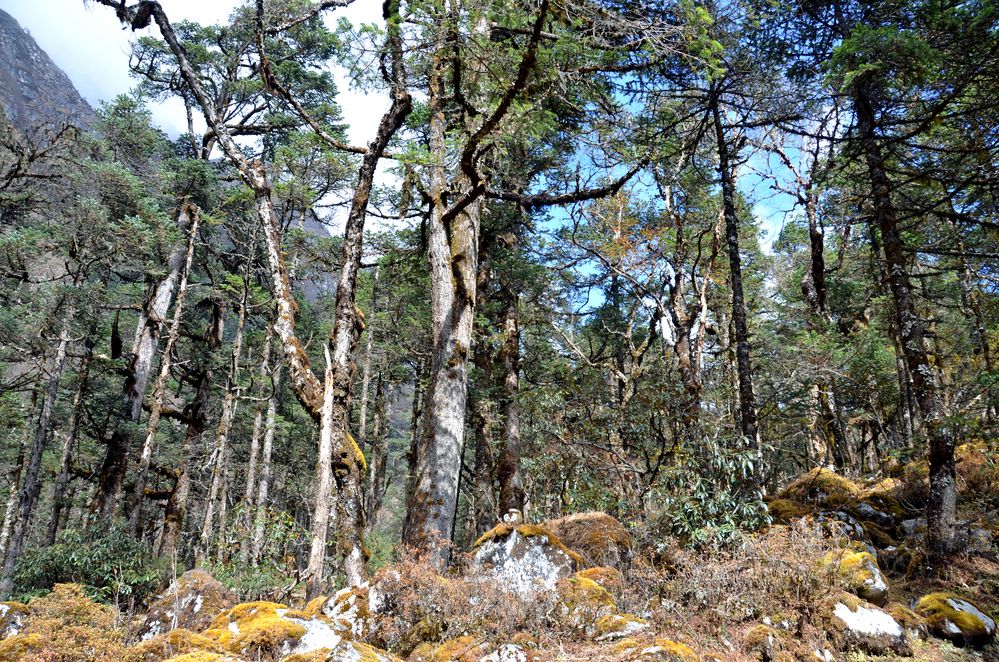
(508, 472)
(362, 423)
(160, 385)
(379, 454)
(197, 422)
(147, 330)
(747, 400)
(941, 511)
(251, 465)
(260, 519)
(10, 509)
(430, 513)
(220, 452)
(31, 483)
(69, 441)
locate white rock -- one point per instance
(868, 621)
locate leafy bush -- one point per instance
(711, 495)
(109, 563)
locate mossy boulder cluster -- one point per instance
(580, 586)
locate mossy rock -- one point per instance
(270, 630)
(658, 650)
(912, 622)
(12, 616)
(21, 647)
(524, 559)
(618, 626)
(582, 602)
(468, 648)
(60, 624)
(191, 602)
(203, 657)
(859, 572)
(349, 612)
(355, 651)
(952, 617)
(171, 644)
(766, 642)
(609, 578)
(784, 511)
(598, 538)
(822, 487)
(855, 625)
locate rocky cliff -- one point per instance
(33, 90)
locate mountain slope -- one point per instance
(33, 90)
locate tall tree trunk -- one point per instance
(69, 441)
(362, 422)
(31, 483)
(747, 400)
(220, 452)
(508, 472)
(260, 518)
(160, 385)
(430, 513)
(10, 508)
(258, 427)
(197, 422)
(379, 453)
(941, 511)
(147, 330)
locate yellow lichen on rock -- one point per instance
(254, 627)
(823, 487)
(172, 643)
(607, 577)
(786, 510)
(529, 531)
(952, 617)
(468, 648)
(21, 647)
(659, 650)
(583, 602)
(859, 572)
(616, 626)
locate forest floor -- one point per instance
(839, 575)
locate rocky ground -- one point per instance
(840, 575)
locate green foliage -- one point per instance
(711, 496)
(112, 566)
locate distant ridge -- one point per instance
(33, 90)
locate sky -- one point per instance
(86, 41)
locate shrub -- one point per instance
(66, 626)
(111, 565)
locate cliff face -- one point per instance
(33, 90)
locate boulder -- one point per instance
(525, 558)
(174, 643)
(618, 626)
(952, 617)
(267, 631)
(12, 615)
(509, 653)
(191, 602)
(658, 650)
(855, 625)
(608, 577)
(859, 572)
(822, 487)
(344, 651)
(599, 538)
(583, 602)
(350, 611)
